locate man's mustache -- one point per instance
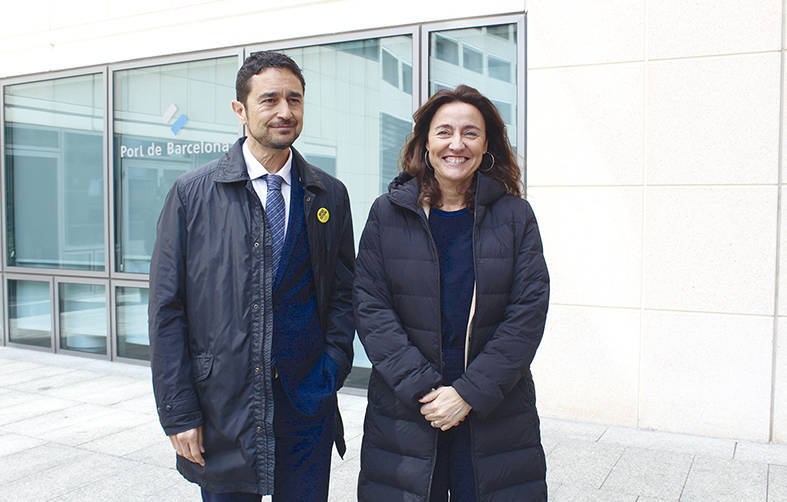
(284, 123)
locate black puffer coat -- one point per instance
(397, 314)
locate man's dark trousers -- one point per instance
(303, 455)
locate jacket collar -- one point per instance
(232, 168)
(405, 189)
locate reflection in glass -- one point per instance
(132, 322)
(54, 174)
(497, 45)
(83, 317)
(29, 313)
(168, 119)
(358, 106)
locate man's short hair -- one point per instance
(259, 61)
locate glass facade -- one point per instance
(167, 120)
(489, 63)
(83, 317)
(132, 322)
(89, 156)
(358, 115)
(54, 162)
(29, 313)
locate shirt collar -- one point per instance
(256, 170)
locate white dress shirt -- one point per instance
(257, 170)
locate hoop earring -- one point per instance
(426, 160)
(486, 170)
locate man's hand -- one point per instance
(188, 444)
(444, 408)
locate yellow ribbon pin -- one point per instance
(323, 215)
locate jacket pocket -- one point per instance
(201, 365)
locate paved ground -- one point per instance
(76, 429)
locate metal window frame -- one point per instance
(56, 302)
(191, 57)
(40, 77)
(123, 283)
(7, 319)
(520, 19)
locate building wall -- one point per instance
(654, 167)
(46, 35)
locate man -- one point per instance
(251, 306)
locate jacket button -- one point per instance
(168, 407)
(255, 307)
(256, 244)
(256, 370)
(259, 428)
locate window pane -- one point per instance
(407, 78)
(83, 317)
(496, 44)
(390, 69)
(168, 119)
(446, 49)
(472, 59)
(354, 116)
(499, 69)
(54, 174)
(132, 322)
(29, 313)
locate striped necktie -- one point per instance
(274, 209)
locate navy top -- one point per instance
(453, 235)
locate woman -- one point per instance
(451, 294)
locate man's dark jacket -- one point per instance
(211, 316)
(397, 311)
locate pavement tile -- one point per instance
(13, 443)
(35, 373)
(105, 390)
(565, 493)
(55, 383)
(571, 430)
(31, 407)
(581, 464)
(766, 453)
(44, 424)
(121, 442)
(777, 483)
(180, 491)
(651, 473)
(681, 443)
(343, 486)
(54, 482)
(725, 481)
(132, 483)
(141, 404)
(121, 438)
(100, 425)
(8, 366)
(36, 460)
(161, 454)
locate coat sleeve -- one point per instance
(507, 355)
(170, 360)
(398, 361)
(340, 330)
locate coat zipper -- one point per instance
(471, 322)
(425, 223)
